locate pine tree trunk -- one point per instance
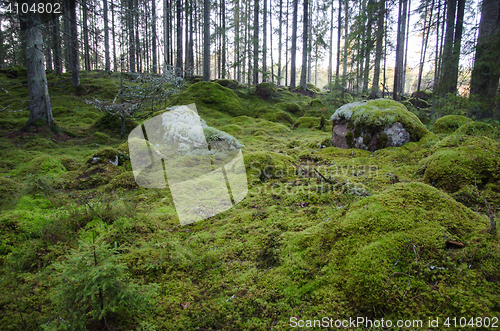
(131, 35)
(339, 34)
(445, 84)
(223, 56)
(153, 39)
(271, 38)
(237, 72)
(330, 50)
(294, 45)
(255, 42)
(378, 50)
(346, 44)
(206, 40)
(56, 46)
(406, 47)
(457, 42)
(280, 43)
(107, 65)
(115, 64)
(264, 42)
(305, 34)
(178, 63)
(39, 101)
(399, 66)
(75, 66)
(86, 45)
(486, 72)
(369, 44)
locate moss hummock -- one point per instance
(392, 246)
(449, 123)
(212, 96)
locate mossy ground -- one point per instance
(323, 231)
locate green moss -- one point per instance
(233, 129)
(108, 123)
(229, 83)
(124, 181)
(477, 129)
(391, 245)
(374, 115)
(449, 123)
(101, 138)
(291, 107)
(317, 103)
(312, 88)
(266, 90)
(337, 98)
(212, 96)
(267, 165)
(349, 137)
(9, 189)
(40, 144)
(42, 165)
(307, 122)
(471, 161)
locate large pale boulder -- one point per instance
(375, 124)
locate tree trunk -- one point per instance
(457, 42)
(330, 50)
(237, 71)
(223, 55)
(280, 43)
(271, 39)
(75, 66)
(86, 45)
(153, 39)
(408, 16)
(255, 42)
(178, 63)
(56, 46)
(339, 34)
(445, 83)
(131, 35)
(425, 38)
(107, 65)
(399, 67)
(486, 73)
(138, 47)
(369, 44)
(264, 42)
(39, 101)
(378, 50)
(294, 45)
(346, 44)
(305, 34)
(206, 40)
(286, 42)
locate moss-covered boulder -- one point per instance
(463, 161)
(101, 138)
(213, 96)
(310, 122)
(42, 165)
(449, 123)
(107, 123)
(292, 108)
(266, 90)
(316, 103)
(100, 168)
(375, 124)
(394, 246)
(313, 88)
(229, 83)
(265, 165)
(477, 129)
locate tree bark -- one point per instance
(255, 42)
(75, 66)
(445, 85)
(39, 101)
(399, 67)
(153, 39)
(486, 73)
(56, 46)
(237, 71)
(339, 34)
(375, 90)
(107, 65)
(131, 35)
(280, 43)
(206, 40)
(264, 42)
(305, 34)
(294, 45)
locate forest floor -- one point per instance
(322, 233)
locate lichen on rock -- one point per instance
(375, 124)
